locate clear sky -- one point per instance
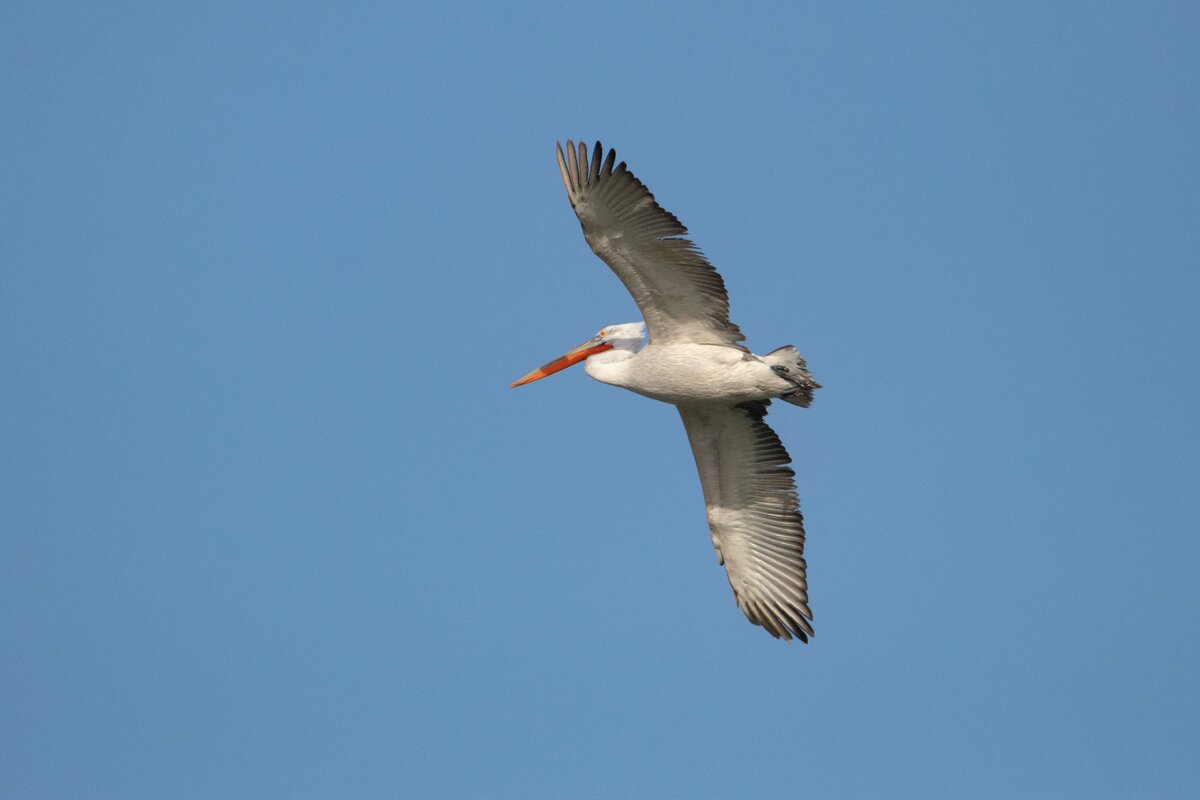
(272, 524)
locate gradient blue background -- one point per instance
(274, 525)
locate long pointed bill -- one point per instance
(562, 362)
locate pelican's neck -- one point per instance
(611, 366)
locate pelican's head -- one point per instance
(629, 336)
(626, 338)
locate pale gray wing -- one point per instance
(680, 294)
(753, 512)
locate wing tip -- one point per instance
(783, 621)
(576, 160)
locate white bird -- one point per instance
(693, 360)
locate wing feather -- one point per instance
(753, 513)
(681, 295)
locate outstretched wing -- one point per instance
(753, 512)
(680, 294)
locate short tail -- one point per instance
(791, 366)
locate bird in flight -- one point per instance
(694, 360)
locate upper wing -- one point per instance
(681, 295)
(753, 513)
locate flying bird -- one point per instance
(694, 359)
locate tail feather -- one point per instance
(791, 366)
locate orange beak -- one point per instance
(588, 348)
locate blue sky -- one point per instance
(272, 524)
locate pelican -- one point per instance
(694, 360)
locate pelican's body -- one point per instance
(689, 373)
(695, 361)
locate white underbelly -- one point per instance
(682, 374)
